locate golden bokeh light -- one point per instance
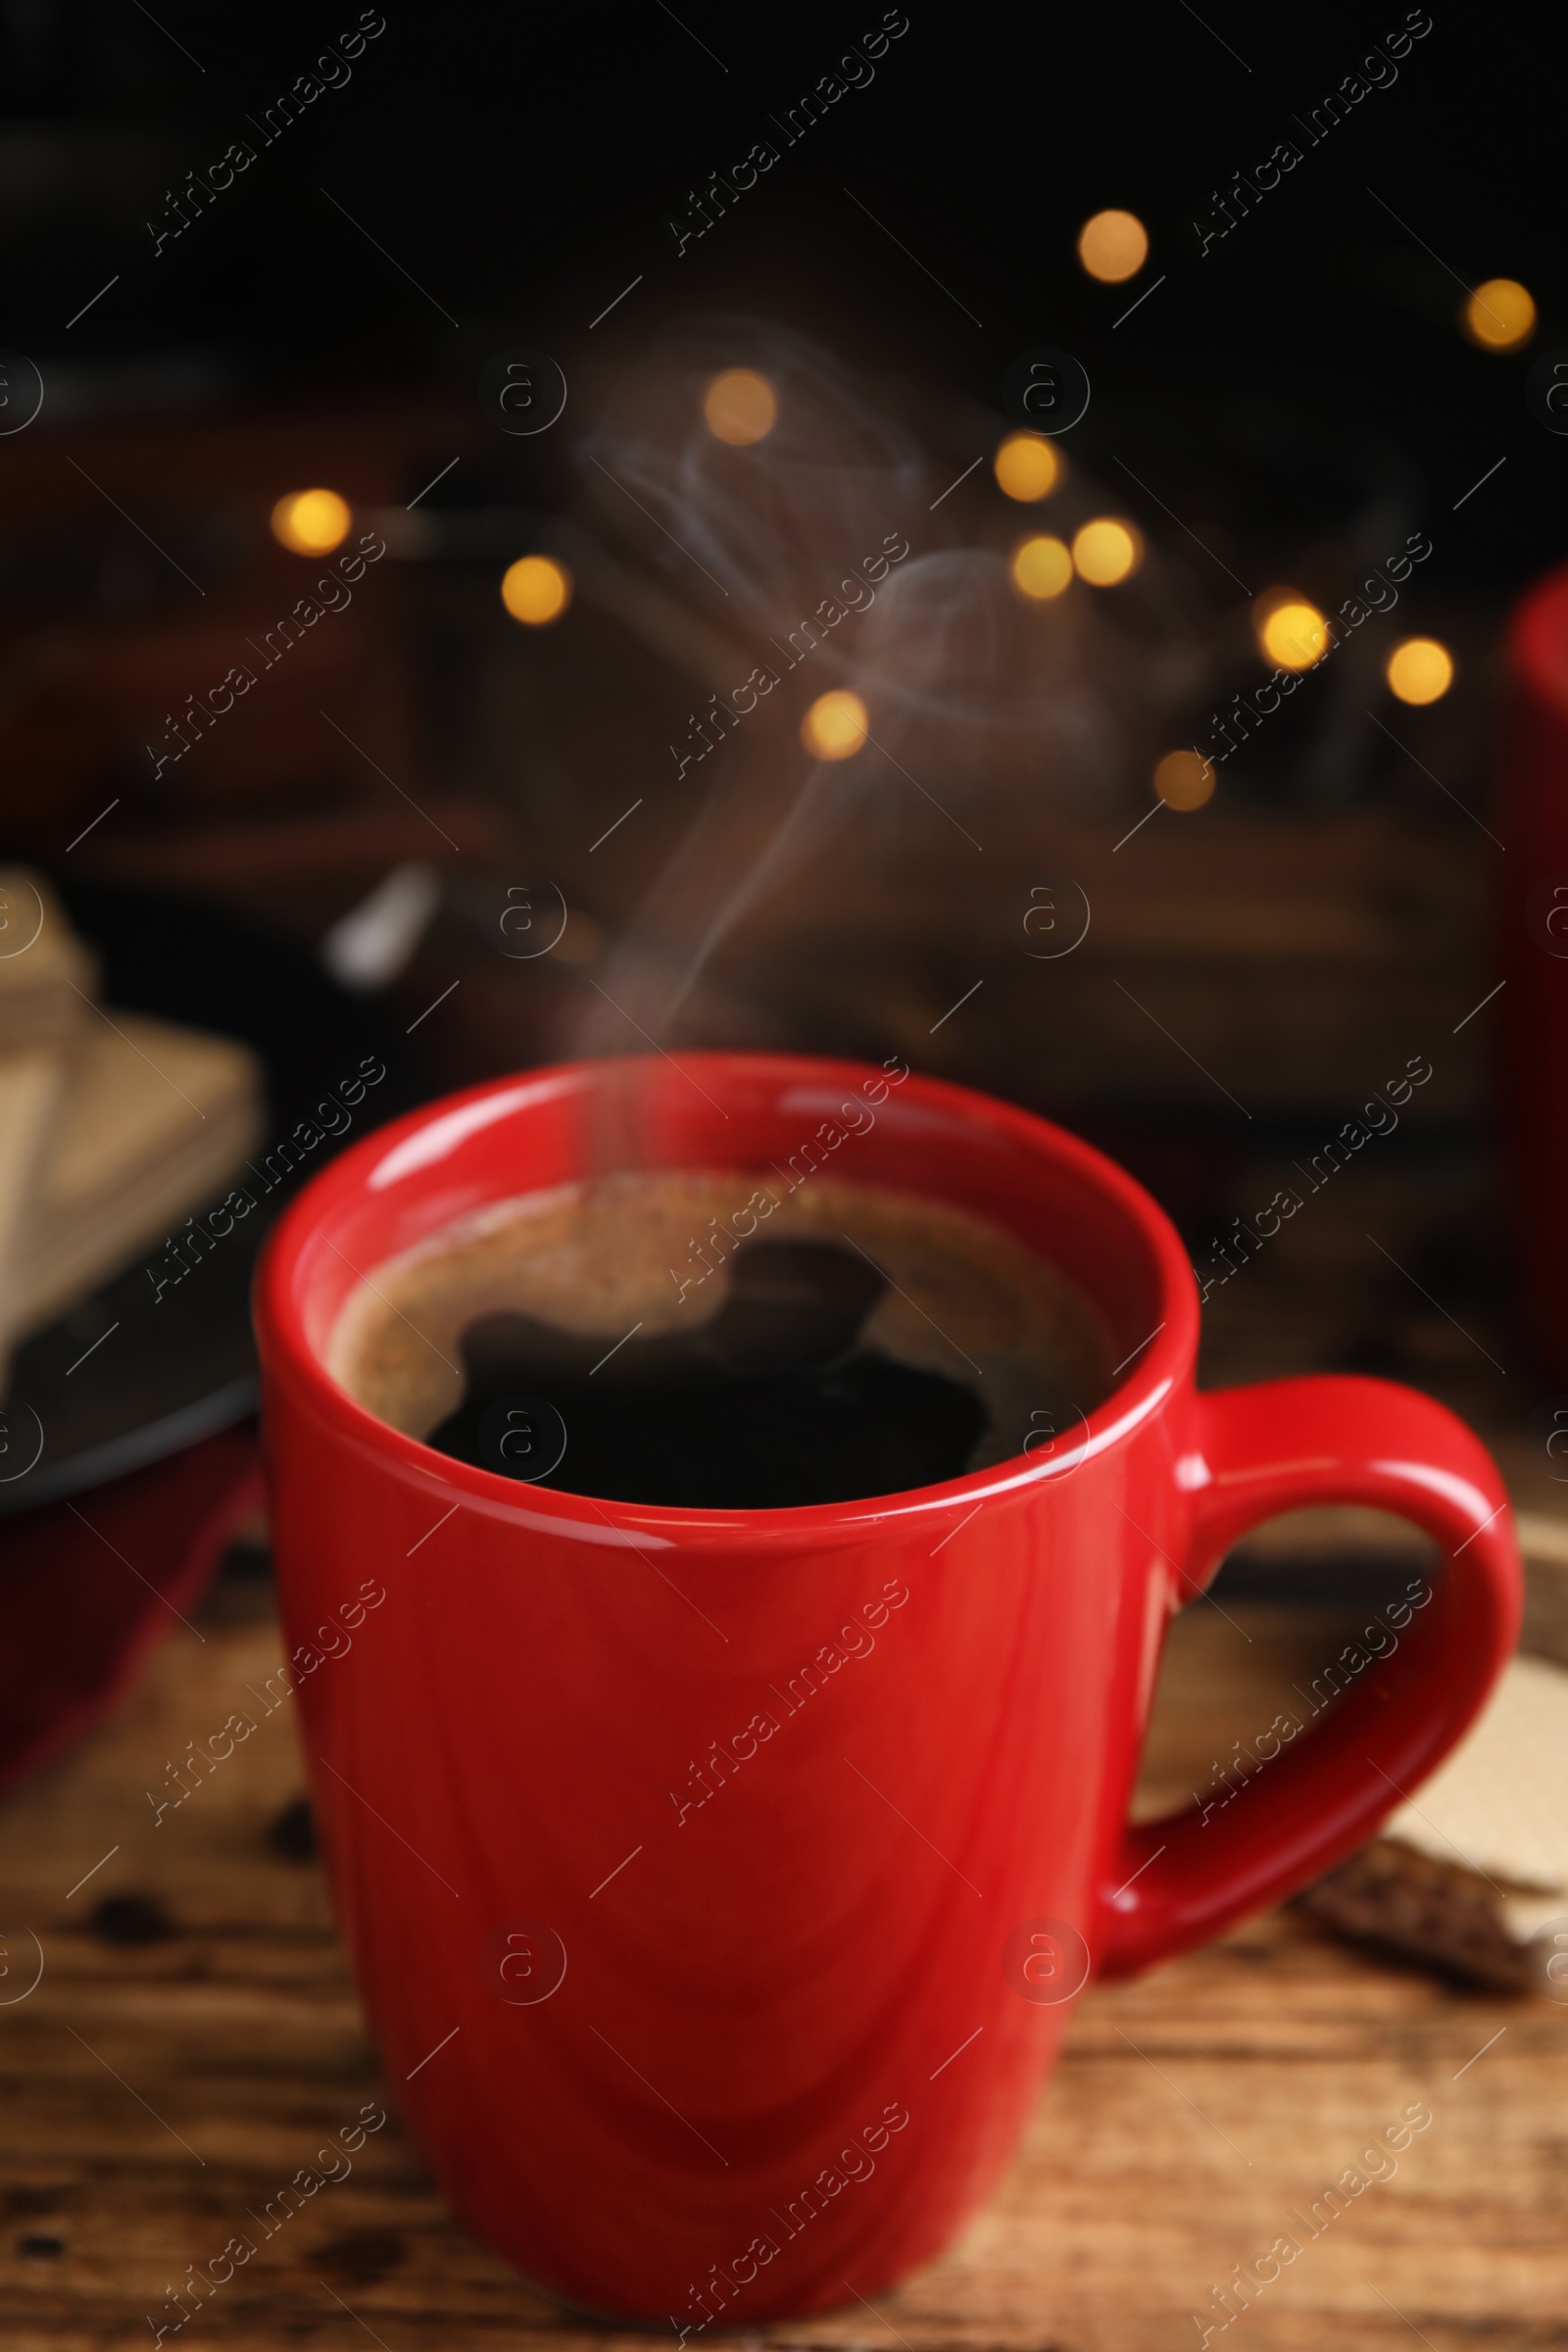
(1500, 315)
(1027, 468)
(312, 523)
(1105, 551)
(740, 406)
(536, 590)
(1185, 780)
(1114, 246)
(835, 726)
(1420, 670)
(1042, 568)
(1292, 632)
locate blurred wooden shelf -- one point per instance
(1236, 965)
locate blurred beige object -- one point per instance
(1543, 1538)
(30, 1088)
(153, 1121)
(46, 974)
(1471, 1874)
(1499, 1803)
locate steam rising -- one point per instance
(828, 550)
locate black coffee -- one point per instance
(777, 1399)
(727, 1342)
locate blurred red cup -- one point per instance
(1533, 1009)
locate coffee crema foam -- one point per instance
(963, 1299)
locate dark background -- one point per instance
(513, 172)
(522, 166)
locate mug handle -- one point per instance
(1284, 1446)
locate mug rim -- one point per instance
(1165, 1359)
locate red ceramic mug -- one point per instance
(692, 2063)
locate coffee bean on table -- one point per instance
(293, 1832)
(131, 1919)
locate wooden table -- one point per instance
(153, 2091)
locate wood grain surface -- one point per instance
(156, 2091)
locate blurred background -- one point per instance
(985, 538)
(249, 261)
